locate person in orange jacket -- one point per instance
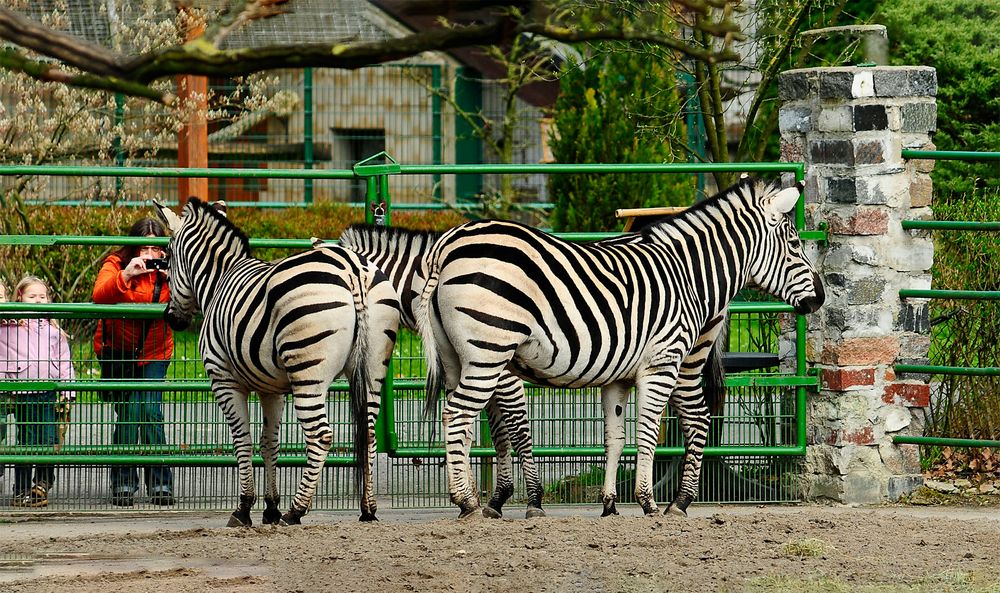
(136, 349)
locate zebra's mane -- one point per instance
(221, 219)
(359, 233)
(748, 189)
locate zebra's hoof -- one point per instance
(472, 514)
(676, 511)
(492, 513)
(368, 517)
(291, 518)
(236, 521)
(272, 518)
(534, 513)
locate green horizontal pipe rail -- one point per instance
(113, 385)
(177, 172)
(165, 450)
(987, 295)
(162, 460)
(151, 311)
(734, 380)
(927, 369)
(790, 450)
(944, 441)
(601, 168)
(949, 225)
(951, 155)
(52, 240)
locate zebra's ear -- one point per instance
(221, 208)
(317, 242)
(784, 200)
(168, 217)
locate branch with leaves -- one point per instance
(51, 55)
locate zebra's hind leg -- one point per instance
(613, 398)
(311, 412)
(694, 420)
(514, 407)
(273, 406)
(504, 487)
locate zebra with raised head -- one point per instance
(644, 312)
(288, 326)
(400, 253)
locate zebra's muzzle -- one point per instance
(811, 304)
(175, 321)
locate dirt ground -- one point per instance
(795, 548)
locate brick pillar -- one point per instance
(848, 125)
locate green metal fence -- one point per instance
(757, 444)
(975, 295)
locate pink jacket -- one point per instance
(35, 349)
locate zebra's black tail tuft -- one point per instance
(360, 386)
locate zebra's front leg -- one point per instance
(310, 409)
(273, 406)
(613, 399)
(651, 396)
(233, 403)
(504, 487)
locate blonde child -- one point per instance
(34, 349)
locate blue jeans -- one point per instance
(140, 421)
(35, 414)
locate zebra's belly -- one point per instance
(535, 362)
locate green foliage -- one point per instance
(961, 40)
(609, 111)
(964, 333)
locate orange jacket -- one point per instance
(110, 289)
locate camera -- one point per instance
(156, 264)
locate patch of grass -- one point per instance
(806, 548)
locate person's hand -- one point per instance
(136, 267)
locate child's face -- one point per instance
(35, 293)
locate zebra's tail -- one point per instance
(422, 313)
(714, 384)
(359, 387)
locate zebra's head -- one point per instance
(186, 239)
(781, 267)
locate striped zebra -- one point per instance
(644, 312)
(400, 252)
(288, 326)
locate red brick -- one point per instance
(861, 436)
(861, 351)
(914, 395)
(865, 221)
(842, 379)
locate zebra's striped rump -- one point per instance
(644, 312)
(400, 253)
(289, 326)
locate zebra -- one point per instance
(288, 326)
(399, 252)
(645, 312)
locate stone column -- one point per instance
(848, 125)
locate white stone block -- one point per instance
(863, 85)
(837, 119)
(897, 419)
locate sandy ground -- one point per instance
(715, 549)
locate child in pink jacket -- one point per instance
(34, 349)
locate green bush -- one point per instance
(616, 110)
(962, 41)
